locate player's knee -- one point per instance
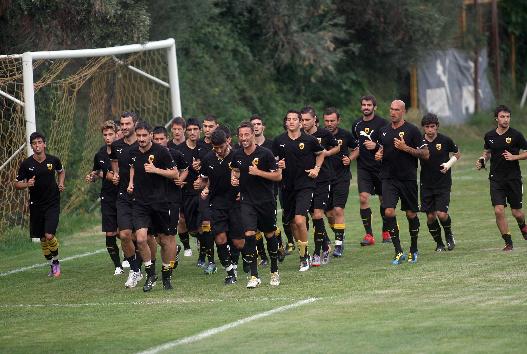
(517, 213)
(363, 200)
(220, 238)
(499, 210)
(442, 215)
(389, 212)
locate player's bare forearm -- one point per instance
(320, 160)
(170, 173)
(183, 174)
(457, 155)
(21, 185)
(115, 166)
(354, 154)
(62, 177)
(422, 153)
(334, 150)
(275, 176)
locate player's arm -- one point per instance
(480, 163)
(313, 173)
(130, 188)
(62, 177)
(275, 176)
(25, 183)
(445, 166)
(420, 153)
(235, 177)
(354, 154)
(510, 157)
(171, 173)
(334, 150)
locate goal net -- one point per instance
(73, 93)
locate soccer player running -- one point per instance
(37, 173)
(215, 178)
(366, 131)
(300, 156)
(320, 200)
(436, 181)
(254, 170)
(502, 147)
(108, 195)
(401, 146)
(340, 183)
(120, 174)
(152, 170)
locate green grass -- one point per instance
(469, 300)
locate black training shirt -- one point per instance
(328, 141)
(174, 191)
(45, 192)
(346, 141)
(120, 151)
(255, 189)
(431, 176)
(151, 188)
(299, 155)
(512, 141)
(197, 153)
(368, 130)
(102, 162)
(222, 195)
(397, 164)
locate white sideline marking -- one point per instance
(23, 269)
(213, 331)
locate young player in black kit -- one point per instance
(401, 146)
(215, 177)
(503, 147)
(254, 170)
(101, 166)
(119, 155)
(321, 194)
(436, 181)
(37, 173)
(366, 131)
(341, 177)
(152, 171)
(300, 156)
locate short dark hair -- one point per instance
(369, 98)
(225, 129)
(218, 137)
(35, 136)
(255, 117)
(429, 118)
(117, 124)
(133, 115)
(501, 108)
(193, 121)
(160, 130)
(211, 118)
(299, 115)
(245, 124)
(109, 124)
(178, 121)
(143, 125)
(308, 110)
(330, 110)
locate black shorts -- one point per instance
(190, 211)
(320, 197)
(394, 189)
(43, 220)
(204, 210)
(109, 215)
(261, 216)
(434, 199)
(338, 194)
(508, 191)
(228, 221)
(125, 215)
(296, 202)
(369, 182)
(157, 218)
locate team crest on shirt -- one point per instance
(151, 158)
(438, 147)
(50, 166)
(229, 164)
(301, 146)
(401, 134)
(339, 142)
(255, 161)
(319, 140)
(367, 130)
(508, 140)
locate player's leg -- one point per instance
(184, 236)
(377, 185)
(390, 200)
(366, 189)
(498, 198)
(260, 249)
(266, 213)
(51, 222)
(109, 227)
(125, 224)
(302, 203)
(434, 228)
(249, 219)
(409, 203)
(514, 197)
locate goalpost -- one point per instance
(76, 90)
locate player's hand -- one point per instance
(130, 189)
(197, 184)
(281, 164)
(254, 170)
(369, 144)
(196, 164)
(480, 163)
(150, 168)
(444, 168)
(235, 182)
(313, 173)
(61, 187)
(400, 144)
(238, 197)
(115, 179)
(204, 193)
(379, 153)
(31, 182)
(346, 160)
(90, 177)
(179, 182)
(508, 156)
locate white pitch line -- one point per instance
(23, 269)
(213, 331)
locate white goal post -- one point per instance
(29, 93)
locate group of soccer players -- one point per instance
(225, 194)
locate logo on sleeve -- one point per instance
(255, 161)
(50, 166)
(438, 147)
(301, 146)
(508, 140)
(151, 159)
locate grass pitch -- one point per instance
(472, 299)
